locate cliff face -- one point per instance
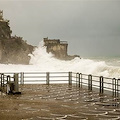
(13, 50)
(5, 31)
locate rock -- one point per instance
(13, 49)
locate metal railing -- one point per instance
(91, 82)
(98, 83)
(44, 77)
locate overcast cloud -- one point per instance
(91, 27)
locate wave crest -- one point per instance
(47, 62)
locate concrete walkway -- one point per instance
(58, 102)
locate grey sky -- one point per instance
(91, 27)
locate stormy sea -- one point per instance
(44, 62)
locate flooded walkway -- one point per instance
(58, 102)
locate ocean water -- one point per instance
(44, 62)
(111, 61)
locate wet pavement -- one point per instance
(58, 102)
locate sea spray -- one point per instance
(45, 62)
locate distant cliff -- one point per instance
(13, 49)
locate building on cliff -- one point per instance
(13, 49)
(58, 48)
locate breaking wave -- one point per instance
(42, 61)
(47, 62)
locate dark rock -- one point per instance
(13, 49)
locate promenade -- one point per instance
(58, 102)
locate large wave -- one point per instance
(42, 61)
(47, 62)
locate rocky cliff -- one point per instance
(13, 49)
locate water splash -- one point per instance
(47, 62)
(42, 61)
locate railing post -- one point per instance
(8, 84)
(8, 78)
(118, 86)
(77, 78)
(2, 80)
(115, 87)
(90, 82)
(101, 85)
(47, 78)
(22, 78)
(117, 91)
(80, 80)
(16, 80)
(70, 78)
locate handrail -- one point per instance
(72, 78)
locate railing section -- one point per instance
(91, 82)
(44, 77)
(98, 83)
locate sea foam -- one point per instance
(46, 62)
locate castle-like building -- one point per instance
(58, 48)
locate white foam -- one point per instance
(42, 61)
